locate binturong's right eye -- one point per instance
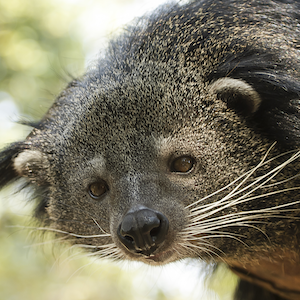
(97, 189)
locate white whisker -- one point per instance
(205, 223)
(203, 249)
(48, 229)
(247, 174)
(60, 239)
(99, 226)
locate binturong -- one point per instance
(182, 141)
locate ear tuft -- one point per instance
(7, 172)
(237, 94)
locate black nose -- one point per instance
(143, 230)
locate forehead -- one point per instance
(128, 117)
(135, 108)
(116, 109)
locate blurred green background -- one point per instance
(43, 44)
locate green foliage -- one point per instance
(37, 41)
(26, 272)
(223, 282)
(33, 268)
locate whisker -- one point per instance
(68, 233)
(205, 243)
(99, 226)
(269, 212)
(202, 219)
(60, 239)
(247, 174)
(205, 250)
(112, 252)
(228, 203)
(221, 224)
(68, 258)
(242, 200)
(186, 233)
(79, 269)
(94, 247)
(281, 182)
(217, 235)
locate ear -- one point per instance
(237, 94)
(32, 164)
(16, 161)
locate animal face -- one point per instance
(123, 174)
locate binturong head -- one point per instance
(181, 142)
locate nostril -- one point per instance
(154, 232)
(127, 237)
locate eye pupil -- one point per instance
(182, 164)
(97, 189)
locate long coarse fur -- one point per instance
(181, 141)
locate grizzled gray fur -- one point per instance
(181, 142)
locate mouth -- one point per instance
(160, 258)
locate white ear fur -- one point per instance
(236, 91)
(29, 162)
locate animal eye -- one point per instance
(97, 189)
(182, 164)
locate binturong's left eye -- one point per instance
(182, 164)
(97, 189)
